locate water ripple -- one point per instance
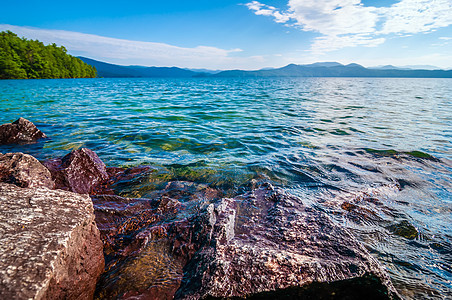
(374, 153)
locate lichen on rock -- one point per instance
(24, 170)
(50, 247)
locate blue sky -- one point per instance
(227, 34)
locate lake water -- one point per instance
(375, 154)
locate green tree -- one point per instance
(21, 59)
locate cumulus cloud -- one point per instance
(135, 52)
(415, 16)
(334, 17)
(348, 23)
(266, 10)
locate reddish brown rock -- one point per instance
(20, 131)
(268, 244)
(49, 244)
(24, 170)
(79, 171)
(138, 237)
(119, 176)
(263, 244)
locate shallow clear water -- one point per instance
(382, 145)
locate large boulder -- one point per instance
(188, 243)
(268, 244)
(80, 171)
(20, 131)
(24, 170)
(50, 247)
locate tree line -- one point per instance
(21, 58)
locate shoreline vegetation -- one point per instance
(21, 58)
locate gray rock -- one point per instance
(50, 247)
(24, 170)
(20, 131)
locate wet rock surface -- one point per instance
(20, 131)
(80, 171)
(186, 240)
(268, 240)
(24, 170)
(119, 176)
(146, 241)
(262, 244)
(49, 244)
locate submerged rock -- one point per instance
(140, 239)
(119, 176)
(404, 229)
(79, 171)
(20, 131)
(24, 170)
(49, 244)
(262, 244)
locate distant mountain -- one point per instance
(324, 64)
(413, 67)
(111, 70)
(389, 67)
(423, 67)
(320, 69)
(208, 71)
(332, 69)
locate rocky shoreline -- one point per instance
(62, 221)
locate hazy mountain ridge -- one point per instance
(112, 70)
(409, 67)
(319, 69)
(336, 70)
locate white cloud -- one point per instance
(348, 23)
(136, 52)
(334, 17)
(415, 16)
(266, 10)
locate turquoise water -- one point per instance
(383, 145)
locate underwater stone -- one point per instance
(147, 242)
(80, 171)
(50, 247)
(24, 170)
(404, 229)
(20, 131)
(119, 176)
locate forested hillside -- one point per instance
(31, 59)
